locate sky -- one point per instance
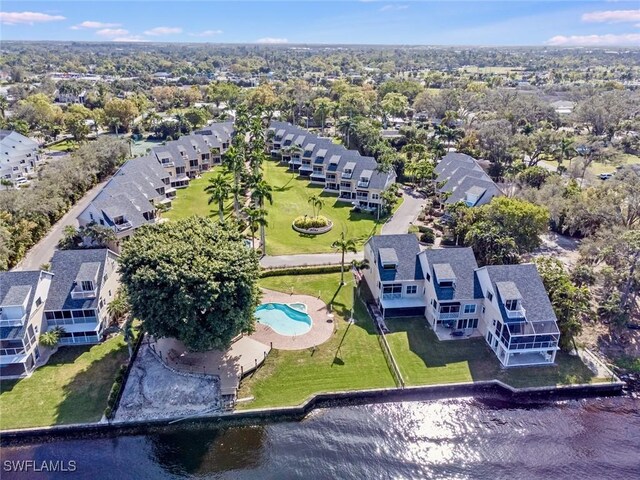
(395, 22)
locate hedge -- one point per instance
(281, 272)
(311, 222)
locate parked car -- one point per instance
(605, 176)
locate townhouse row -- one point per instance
(342, 172)
(18, 158)
(506, 304)
(74, 294)
(144, 186)
(460, 178)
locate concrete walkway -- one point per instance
(406, 214)
(308, 259)
(42, 251)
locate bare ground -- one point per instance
(154, 391)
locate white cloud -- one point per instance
(91, 24)
(154, 32)
(595, 40)
(130, 38)
(28, 18)
(612, 16)
(272, 41)
(206, 33)
(112, 32)
(393, 8)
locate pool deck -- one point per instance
(321, 329)
(244, 355)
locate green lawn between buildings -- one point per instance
(290, 199)
(72, 387)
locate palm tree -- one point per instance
(4, 104)
(257, 218)
(347, 126)
(218, 190)
(234, 163)
(51, 338)
(316, 203)
(127, 332)
(344, 245)
(565, 150)
(261, 192)
(119, 307)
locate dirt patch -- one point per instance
(155, 391)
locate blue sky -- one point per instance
(445, 22)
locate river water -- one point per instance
(478, 438)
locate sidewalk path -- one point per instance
(308, 259)
(406, 214)
(42, 251)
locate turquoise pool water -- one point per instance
(285, 319)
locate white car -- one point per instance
(605, 176)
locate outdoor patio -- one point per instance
(443, 333)
(244, 355)
(321, 329)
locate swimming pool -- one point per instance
(284, 319)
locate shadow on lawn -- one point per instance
(85, 396)
(482, 363)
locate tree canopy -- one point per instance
(191, 280)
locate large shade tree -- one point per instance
(191, 280)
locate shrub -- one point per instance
(300, 271)
(449, 241)
(427, 237)
(311, 222)
(413, 229)
(424, 229)
(108, 412)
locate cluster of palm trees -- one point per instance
(243, 161)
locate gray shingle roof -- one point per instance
(462, 263)
(471, 184)
(453, 158)
(13, 287)
(406, 249)
(458, 175)
(526, 279)
(69, 265)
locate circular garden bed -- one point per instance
(312, 225)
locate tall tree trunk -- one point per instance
(221, 210)
(627, 286)
(342, 269)
(263, 239)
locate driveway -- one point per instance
(406, 214)
(42, 251)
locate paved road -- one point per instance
(43, 251)
(308, 259)
(406, 214)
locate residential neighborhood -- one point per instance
(393, 254)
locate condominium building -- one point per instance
(505, 304)
(18, 157)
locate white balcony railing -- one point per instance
(520, 312)
(78, 294)
(13, 322)
(448, 316)
(391, 296)
(121, 227)
(362, 184)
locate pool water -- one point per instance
(285, 319)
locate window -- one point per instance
(375, 196)
(38, 302)
(512, 304)
(445, 284)
(392, 288)
(467, 323)
(389, 266)
(469, 309)
(449, 308)
(483, 309)
(412, 289)
(428, 277)
(87, 286)
(489, 295)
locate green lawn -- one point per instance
(64, 146)
(351, 359)
(73, 387)
(193, 200)
(423, 360)
(290, 199)
(596, 168)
